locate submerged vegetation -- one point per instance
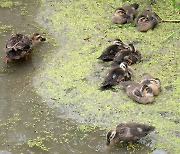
(70, 77)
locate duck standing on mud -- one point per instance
(125, 14)
(19, 46)
(117, 74)
(127, 132)
(110, 52)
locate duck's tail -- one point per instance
(149, 128)
(135, 5)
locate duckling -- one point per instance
(19, 46)
(138, 92)
(127, 132)
(117, 74)
(147, 20)
(109, 53)
(152, 82)
(130, 55)
(125, 14)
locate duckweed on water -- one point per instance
(5, 28)
(38, 142)
(71, 76)
(9, 3)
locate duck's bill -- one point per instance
(43, 39)
(107, 146)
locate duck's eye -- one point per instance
(120, 12)
(143, 19)
(157, 81)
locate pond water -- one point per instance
(30, 123)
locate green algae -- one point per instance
(175, 4)
(9, 3)
(38, 142)
(11, 121)
(71, 75)
(5, 28)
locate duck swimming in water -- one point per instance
(125, 14)
(19, 46)
(147, 20)
(127, 132)
(109, 53)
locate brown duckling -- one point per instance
(152, 82)
(109, 53)
(125, 14)
(19, 46)
(130, 55)
(117, 74)
(138, 92)
(147, 20)
(127, 132)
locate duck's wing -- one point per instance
(145, 77)
(145, 82)
(14, 41)
(25, 43)
(133, 129)
(111, 77)
(109, 53)
(130, 13)
(117, 59)
(137, 93)
(18, 42)
(124, 133)
(137, 55)
(141, 130)
(153, 15)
